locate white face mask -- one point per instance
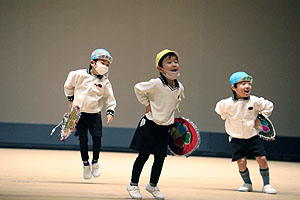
(172, 75)
(101, 69)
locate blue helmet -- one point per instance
(239, 76)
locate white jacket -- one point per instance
(240, 115)
(162, 98)
(90, 92)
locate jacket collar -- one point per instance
(165, 82)
(89, 72)
(234, 97)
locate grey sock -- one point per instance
(246, 176)
(265, 176)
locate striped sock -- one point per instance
(265, 176)
(246, 176)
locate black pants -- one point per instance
(83, 141)
(139, 164)
(89, 122)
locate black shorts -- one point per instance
(151, 138)
(91, 122)
(251, 147)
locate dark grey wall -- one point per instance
(18, 135)
(41, 41)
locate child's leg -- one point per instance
(244, 172)
(262, 161)
(81, 131)
(138, 167)
(83, 143)
(96, 151)
(155, 174)
(95, 128)
(156, 169)
(242, 164)
(264, 169)
(96, 148)
(133, 188)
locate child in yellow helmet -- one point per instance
(160, 96)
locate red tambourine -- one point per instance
(185, 137)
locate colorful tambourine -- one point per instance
(68, 123)
(266, 128)
(185, 137)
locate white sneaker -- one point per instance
(246, 188)
(134, 191)
(87, 174)
(96, 170)
(269, 189)
(155, 192)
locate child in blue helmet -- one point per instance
(240, 114)
(91, 90)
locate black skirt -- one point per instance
(151, 138)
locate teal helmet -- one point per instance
(101, 54)
(240, 76)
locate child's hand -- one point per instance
(109, 118)
(257, 122)
(148, 109)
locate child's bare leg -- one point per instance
(262, 162)
(242, 164)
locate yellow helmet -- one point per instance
(162, 53)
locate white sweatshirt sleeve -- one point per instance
(264, 106)
(221, 109)
(110, 100)
(142, 91)
(69, 85)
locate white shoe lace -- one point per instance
(155, 191)
(134, 191)
(133, 188)
(269, 189)
(95, 166)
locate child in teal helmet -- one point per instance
(91, 91)
(240, 114)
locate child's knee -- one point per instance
(262, 161)
(83, 139)
(242, 163)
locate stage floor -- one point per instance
(29, 174)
